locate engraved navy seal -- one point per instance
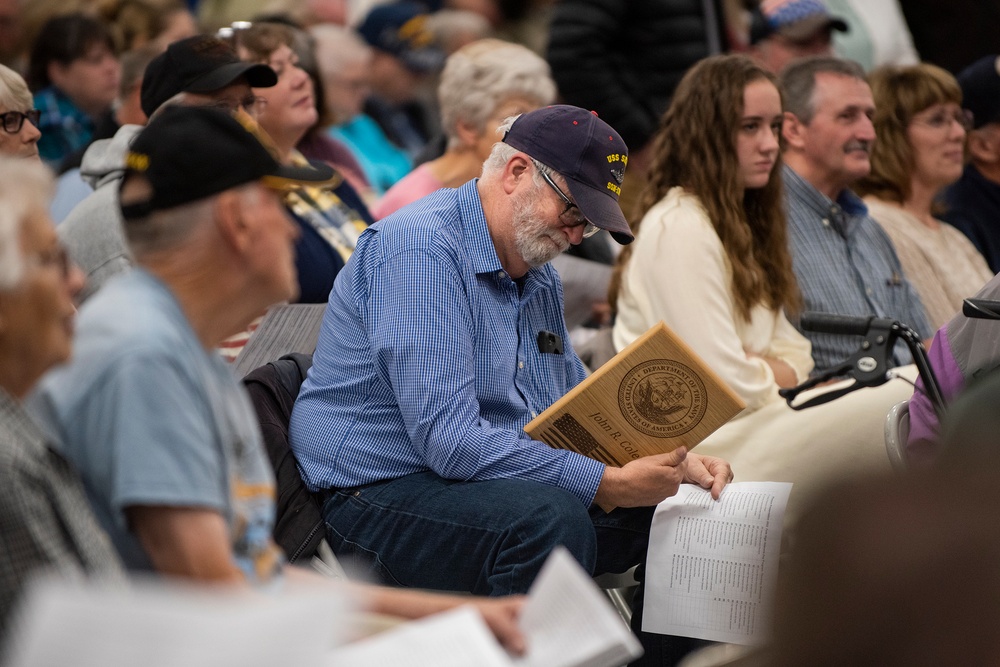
(662, 398)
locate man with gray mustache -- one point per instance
(844, 262)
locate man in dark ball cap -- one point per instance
(427, 370)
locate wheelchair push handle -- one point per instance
(830, 323)
(869, 366)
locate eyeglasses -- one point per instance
(230, 32)
(13, 121)
(252, 104)
(943, 118)
(567, 218)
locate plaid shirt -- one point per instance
(428, 360)
(64, 127)
(846, 265)
(45, 519)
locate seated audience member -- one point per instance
(711, 260)
(404, 57)
(973, 202)
(317, 144)
(711, 256)
(329, 218)
(920, 149)
(432, 481)
(482, 84)
(197, 71)
(963, 350)
(844, 262)
(72, 187)
(73, 72)
(344, 60)
(164, 436)
(19, 131)
(785, 30)
(44, 516)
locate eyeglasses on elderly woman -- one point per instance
(13, 121)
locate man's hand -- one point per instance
(708, 472)
(643, 482)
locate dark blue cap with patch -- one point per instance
(401, 30)
(587, 152)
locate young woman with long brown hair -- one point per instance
(711, 257)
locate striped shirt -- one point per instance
(428, 360)
(846, 265)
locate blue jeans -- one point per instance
(487, 537)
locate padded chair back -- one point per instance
(299, 527)
(897, 430)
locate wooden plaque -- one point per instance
(652, 397)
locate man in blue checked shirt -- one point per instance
(844, 262)
(428, 367)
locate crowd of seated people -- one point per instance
(417, 181)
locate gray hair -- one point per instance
(170, 229)
(337, 46)
(478, 77)
(25, 186)
(133, 67)
(454, 28)
(798, 82)
(14, 93)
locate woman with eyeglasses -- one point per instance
(710, 256)
(19, 132)
(45, 518)
(921, 130)
(330, 218)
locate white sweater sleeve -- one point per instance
(679, 273)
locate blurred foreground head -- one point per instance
(895, 571)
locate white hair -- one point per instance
(337, 47)
(25, 186)
(480, 76)
(14, 93)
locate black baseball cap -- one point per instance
(587, 152)
(980, 84)
(199, 64)
(188, 153)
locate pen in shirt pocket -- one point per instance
(894, 281)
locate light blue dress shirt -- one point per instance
(428, 360)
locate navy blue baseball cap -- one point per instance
(587, 152)
(401, 30)
(980, 84)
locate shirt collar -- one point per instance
(843, 211)
(482, 252)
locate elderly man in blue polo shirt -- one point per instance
(844, 262)
(428, 368)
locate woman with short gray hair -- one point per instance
(45, 518)
(19, 132)
(482, 84)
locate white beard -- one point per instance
(537, 242)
